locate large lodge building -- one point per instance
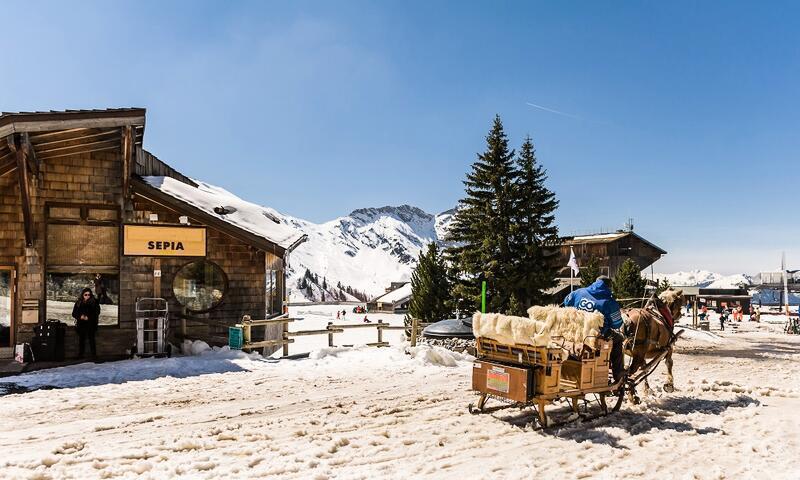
(82, 204)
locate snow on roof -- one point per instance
(261, 221)
(395, 295)
(599, 236)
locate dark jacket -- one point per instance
(92, 311)
(597, 297)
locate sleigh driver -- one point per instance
(597, 297)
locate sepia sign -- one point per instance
(153, 241)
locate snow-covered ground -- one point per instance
(368, 413)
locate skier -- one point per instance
(366, 320)
(722, 317)
(597, 297)
(337, 314)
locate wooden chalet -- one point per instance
(610, 249)
(82, 204)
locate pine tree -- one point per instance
(514, 307)
(662, 285)
(628, 282)
(481, 229)
(430, 289)
(534, 231)
(324, 283)
(590, 272)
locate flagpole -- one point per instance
(571, 277)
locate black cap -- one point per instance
(605, 279)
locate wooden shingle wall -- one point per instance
(96, 178)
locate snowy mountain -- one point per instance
(705, 279)
(365, 250)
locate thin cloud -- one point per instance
(564, 114)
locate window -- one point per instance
(82, 252)
(274, 277)
(63, 290)
(200, 286)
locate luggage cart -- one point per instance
(152, 328)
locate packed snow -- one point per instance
(397, 412)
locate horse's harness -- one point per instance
(662, 314)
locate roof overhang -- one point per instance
(47, 135)
(152, 194)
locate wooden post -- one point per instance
(285, 337)
(330, 334)
(414, 327)
(380, 331)
(24, 190)
(183, 323)
(157, 277)
(126, 144)
(694, 312)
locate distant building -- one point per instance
(395, 300)
(714, 298)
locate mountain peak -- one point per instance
(406, 213)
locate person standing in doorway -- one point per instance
(86, 313)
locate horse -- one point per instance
(649, 332)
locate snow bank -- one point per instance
(207, 361)
(437, 356)
(423, 355)
(571, 324)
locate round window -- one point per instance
(199, 286)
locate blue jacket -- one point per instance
(597, 298)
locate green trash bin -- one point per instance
(235, 338)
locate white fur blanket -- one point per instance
(573, 325)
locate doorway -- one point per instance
(6, 311)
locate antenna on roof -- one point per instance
(629, 225)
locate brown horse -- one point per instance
(649, 333)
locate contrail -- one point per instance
(552, 111)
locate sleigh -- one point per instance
(537, 376)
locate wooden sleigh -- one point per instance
(533, 376)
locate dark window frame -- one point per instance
(84, 220)
(225, 287)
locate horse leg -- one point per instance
(637, 362)
(669, 387)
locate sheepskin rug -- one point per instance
(543, 323)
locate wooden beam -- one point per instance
(75, 149)
(24, 192)
(8, 166)
(30, 154)
(37, 137)
(89, 135)
(127, 163)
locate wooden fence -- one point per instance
(287, 337)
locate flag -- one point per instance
(573, 262)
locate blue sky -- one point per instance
(682, 115)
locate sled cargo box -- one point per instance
(513, 383)
(589, 371)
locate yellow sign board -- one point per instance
(153, 241)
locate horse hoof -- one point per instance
(669, 388)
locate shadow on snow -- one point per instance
(634, 423)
